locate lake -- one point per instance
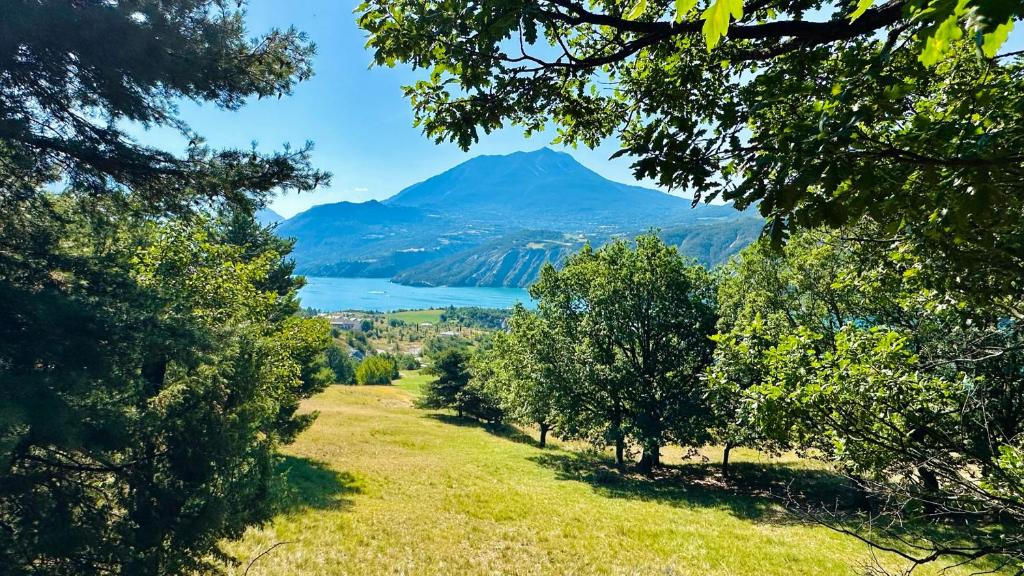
(382, 295)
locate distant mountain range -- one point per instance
(495, 221)
(266, 217)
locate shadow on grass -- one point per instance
(312, 484)
(754, 491)
(771, 493)
(500, 430)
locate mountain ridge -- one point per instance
(495, 220)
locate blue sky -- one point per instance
(357, 118)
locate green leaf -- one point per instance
(862, 7)
(995, 39)
(683, 7)
(938, 43)
(716, 20)
(637, 10)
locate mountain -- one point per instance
(513, 260)
(495, 221)
(266, 217)
(371, 238)
(547, 190)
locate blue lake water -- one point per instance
(382, 295)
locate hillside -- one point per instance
(266, 217)
(379, 487)
(510, 261)
(515, 260)
(495, 221)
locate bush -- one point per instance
(440, 343)
(375, 370)
(407, 362)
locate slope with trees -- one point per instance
(896, 124)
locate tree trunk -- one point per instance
(620, 451)
(651, 458)
(725, 460)
(544, 434)
(930, 484)
(929, 481)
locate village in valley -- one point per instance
(411, 334)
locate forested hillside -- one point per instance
(515, 260)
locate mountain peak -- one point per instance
(547, 189)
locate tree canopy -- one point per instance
(829, 349)
(151, 356)
(904, 111)
(76, 74)
(618, 349)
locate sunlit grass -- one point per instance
(413, 382)
(385, 488)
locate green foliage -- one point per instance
(147, 384)
(475, 317)
(440, 343)
(902, 112)
(842, 348)
(618, 349)
(375, 370)
(130, 62)
(525, 372)
(407, 362)
(453, 389)
(341, 364)
(151, 356)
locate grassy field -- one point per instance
(413, 382)
(381, 487)
(417, 316)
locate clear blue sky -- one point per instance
(356, 117)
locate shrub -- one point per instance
(375, 370)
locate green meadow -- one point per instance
(379, 486)
(417, 316)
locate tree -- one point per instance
(640, 321)
(913, 394)
(341, 364)
(452, 388)
(524, 370)
(151, 359)
(375, 370)
(147, 390)
(904, 112)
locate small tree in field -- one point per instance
(453, 389)
(341, 364)
(375, 370)
(524, 372)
